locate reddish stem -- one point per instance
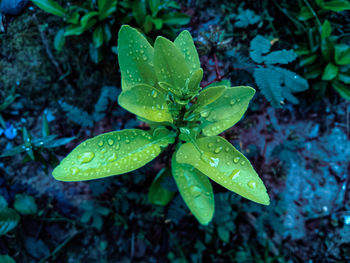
(217, 70)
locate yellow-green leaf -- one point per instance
(51, 7)
(109, 154)
(135, 56)
(194, 81)
(170, 65)
(226, 110)
(184, 43)
(147, 102)
(195, 189)
(221, 162)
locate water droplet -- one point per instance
(252, 184)
(205, 114)
(110, 142)
(144, 58)
(208, 158)
(243, 163)
(74, 170)
(234, 174)
(154, 94)
(117, 146)
(238, 100)
(86, 157)
(127, 140)
(130, 53)
(210, 145)
(227, 149)
(217, 140)
(112, 158)
(103, 151)
(195, 191)
(233, 101)
(100, 143)
(141, 51)
(217, 150)
(236, 159)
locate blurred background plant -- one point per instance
(102, 17)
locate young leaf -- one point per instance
(147, 102)
(157, 194)
(259, 46)
(9, 219)
(6, 259)
(59, 40)
(195, 189)
(109, 154)
(326, 29)
(343, 90)
(342, 54)
(184, 43)
(106, 8)
(25, 204)
(221, 162)
(336, 5)
(176, 18)
(192, 84)
(98, 36)
(135, 56)
(51, 7)
(330, 72)
(170, 64)
(85, 21)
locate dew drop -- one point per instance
(110, 142)
(100, 143)
(233, 101)
(154, 94)
(227, 149)
(205, 114)
(86, 157)
(141, 51)
(144, 58)
(112, 158)
(195, 191)
(127, 140)
(210, 145)
(74, 170)
(234, 174)
(243, 163)
(238, 100)
(252, 184)
(217, 150)
(236, 159)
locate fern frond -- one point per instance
(108, 93)
(259, 46)
(77, 115)
(280, 57)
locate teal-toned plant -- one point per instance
(161, 86)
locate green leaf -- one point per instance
(226, 110)
(98, 36)
(73, 30)
(176, 19)
(110, 154)
(259, 46)
(221, 162)
(51, 7)
(59, 40)
(139, 11)
(195, 189)
(170, 65)
(308, 60)
(154, 5)
(336, 5)
(326, 29)
(223, 233)
(327, 49)
(106, 8)
(158, 23)
(135, 56)
(9, 219)
(85, 21)
(343, 90)
(342, 54)
(157, 194)
(330, 72)
(184, 43)
(147, 102)
(192, 84)
(73, 18)
(25, 204)
(148, 24)
(344, 77)
(59, 142)
(305, 13)
(6, 259)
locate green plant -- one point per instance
(39, 148)
(102, 16)
(161, 86)
(275, 83)
(9, 218)
(327, 58)
(9, 99)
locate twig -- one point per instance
(48, 50)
